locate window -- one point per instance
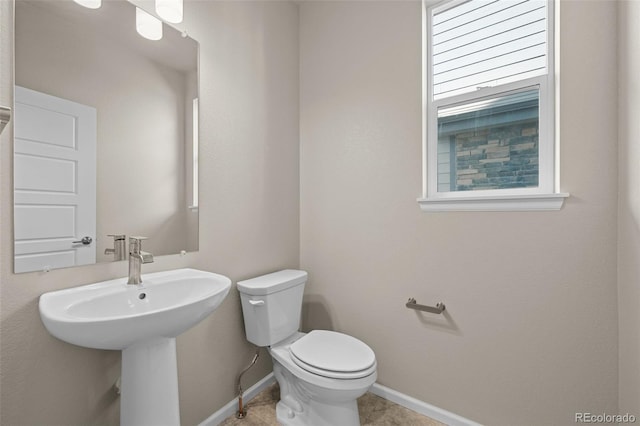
(195, 149)
(489, 101)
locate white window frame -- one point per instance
(546, 195)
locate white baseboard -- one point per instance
(232, 406)
(389, 394)
(421, 407)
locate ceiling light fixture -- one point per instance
(91, 4)
(170, 10)
(148, 26)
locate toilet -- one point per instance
(320, 373)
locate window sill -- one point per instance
(505, 203)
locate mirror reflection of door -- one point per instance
(143, 92)
(55, 182)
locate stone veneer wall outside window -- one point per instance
(494, 157)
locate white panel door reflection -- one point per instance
(54, 182)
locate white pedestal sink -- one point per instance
(143, 321)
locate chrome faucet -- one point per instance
(136, 258)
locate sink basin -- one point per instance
(115, 315)
(143, 321)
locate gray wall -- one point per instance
(629, 205)
(248, 225)
(530, 331)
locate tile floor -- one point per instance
(374, 411)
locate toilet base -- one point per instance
(310, 400)
(319, 414)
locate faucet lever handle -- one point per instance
(135, 244)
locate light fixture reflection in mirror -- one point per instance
(148, 26)
(90, 4)
(170, 10)
(142, 97)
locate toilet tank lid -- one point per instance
(272, 283)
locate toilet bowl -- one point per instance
(320, 373)
(312, 395)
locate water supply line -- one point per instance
(242, 411)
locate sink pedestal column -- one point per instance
(149, 392)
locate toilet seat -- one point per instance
(334, 355)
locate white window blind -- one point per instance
(486, 43)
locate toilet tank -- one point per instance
(271, 305)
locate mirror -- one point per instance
(106, 132)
